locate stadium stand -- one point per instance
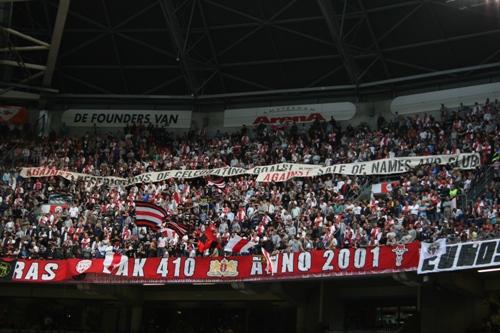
(302, 214)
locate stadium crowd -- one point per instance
(299, 215)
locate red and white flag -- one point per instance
(239, 245)
(270, 264)
(112, 262)
(169, 233)
(384, 188)
(219, 183)
(149, 215)
(180, 228)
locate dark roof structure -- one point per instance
(224, 48)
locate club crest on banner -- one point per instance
(223, 268)
(400, 251)
(83, 265)
(434, 249)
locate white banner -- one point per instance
(122, 118)
(270, 115)
(270, 173)
(386, 166)
(471, 255)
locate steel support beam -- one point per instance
(148, 45)
(135, 15)
(262, 23)
(115, 67)
(24, 36)
(28, 87)
(331, 19)
(396, 4)
(23, 48)
(115, 46)
(375, 40)
(209, 67)
(26, 80)
(163, 84)
(85, 83)
(213, 50)
(442, 40)
(283, 60)
(291, 91)
(105, 32)
(398, 23)
(195, 30)
(22, 65)
(251, 83)
(324, 76)
(352, 86)
(62, 13)
(418, 67)
(168, 10)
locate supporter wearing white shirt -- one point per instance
(272, 208)
(414, 209)
(73, 212)
(295, 212)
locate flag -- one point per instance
(7, 269)
(177, 197)
(169, 233)
(269, 263)
(206, 240)
(113, 261)
(180, 228)
(220, 183)
(149, 215)
(384, 188)
(239, 245)
(435, 249)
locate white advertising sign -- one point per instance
(122, 118)
(271, 115)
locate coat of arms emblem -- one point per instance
(400, 251)
(223, 268)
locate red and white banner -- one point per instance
(300, 265)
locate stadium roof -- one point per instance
(224, 47)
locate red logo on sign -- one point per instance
(297, 119)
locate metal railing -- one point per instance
(478, 188)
